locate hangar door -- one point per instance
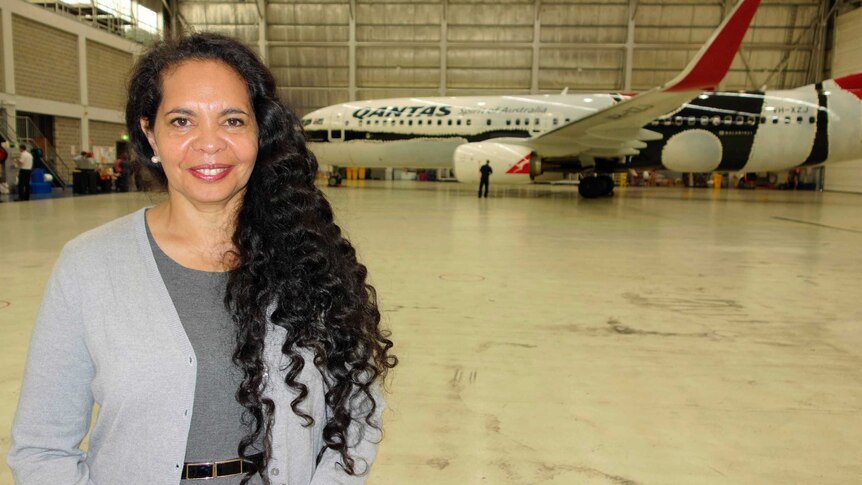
(847, 59)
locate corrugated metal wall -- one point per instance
(330, 51)
(847, 59)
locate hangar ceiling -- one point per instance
(331, 51)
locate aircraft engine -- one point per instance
(511, 163)
(692, 151)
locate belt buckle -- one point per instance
(214, 472)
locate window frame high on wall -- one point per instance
(126, 18)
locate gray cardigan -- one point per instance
(107, 332)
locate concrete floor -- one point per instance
(663, 336)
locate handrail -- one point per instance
(52, 159)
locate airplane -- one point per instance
(681, 125)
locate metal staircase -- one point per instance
(28, 133)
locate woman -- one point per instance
(240, 340)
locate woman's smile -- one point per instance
(211, 172)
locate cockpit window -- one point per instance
(306, 121)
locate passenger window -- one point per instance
(439, 122)
(812, 119)
(728, 120)
(526, 121)
(774, 120)
(692, 120)
(568, 120)
(716, 120)
(449, 122)
(508, 122)
(786, 120)
(799, 120)
(488, 122)
(518, 121)
(556, 122)
(410, 122)
(458, 122)
(704, 120)
(400, 122)
(536, 122)
(469, 122)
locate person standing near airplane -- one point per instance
(486, 172)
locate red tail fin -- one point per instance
(852, 83)
(713, 61)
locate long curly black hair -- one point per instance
(294, 267)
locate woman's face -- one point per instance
(205, 133)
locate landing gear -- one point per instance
(334, 178)
(592, 187)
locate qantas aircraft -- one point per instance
(680, 125)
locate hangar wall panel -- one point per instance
(593, 69)
(397, 67)
(46, 61)
(2, 62)
(847, 59)
(492, 22)
(106, 134)
(235, 19)
(307, 22)
(67, 134)
(491, 67)
(107, 73)
(395, 93)
(310, 66)
(393, 22)
(304, 100)
(591, 23)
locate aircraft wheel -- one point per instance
(591, 187)
(607, 183)
(594, 187)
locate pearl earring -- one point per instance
(156, 159)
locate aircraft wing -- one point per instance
(618, 129)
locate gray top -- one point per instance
(107, 332)
(216, 425)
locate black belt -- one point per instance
(202, 471)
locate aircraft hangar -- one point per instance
(669, 333)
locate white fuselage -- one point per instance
(753, 131)
(424, 132)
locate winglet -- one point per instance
(711, 64)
